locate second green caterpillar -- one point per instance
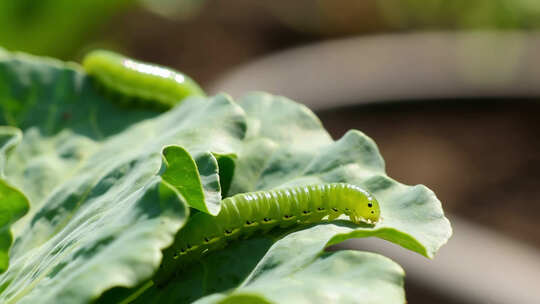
(150, 84)
(245, 214)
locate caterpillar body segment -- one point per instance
(259, 212)
(139, 82)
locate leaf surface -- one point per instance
(285, 146)
(109, 186)
(102, 180)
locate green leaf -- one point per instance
(301, 152)
(197, 180)
(115, 242)
(226, 168)
(286, 145)
(13, 203)
(59, 28)
(101, 208)
(52, 96)
(108, 192)
(293, 270)
(10, 137)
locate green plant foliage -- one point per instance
(498, 14)
(303, 153)
(294, 269)
(109, 187)
(54, 27)
(13, 205)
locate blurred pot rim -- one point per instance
(396, 67)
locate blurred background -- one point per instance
(448, 89)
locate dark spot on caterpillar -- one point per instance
(335, 209)
(320, 209)
(372, 212)
(227, 231)
(207, 240)
(306, 212)
(249, 222)
(286, 216)
(346, 209)
(188, 246)
(182, 250)
(266, 219)
(370, 205)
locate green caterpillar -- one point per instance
(244, 214)
(147, 83)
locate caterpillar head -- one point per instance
(365, 209)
